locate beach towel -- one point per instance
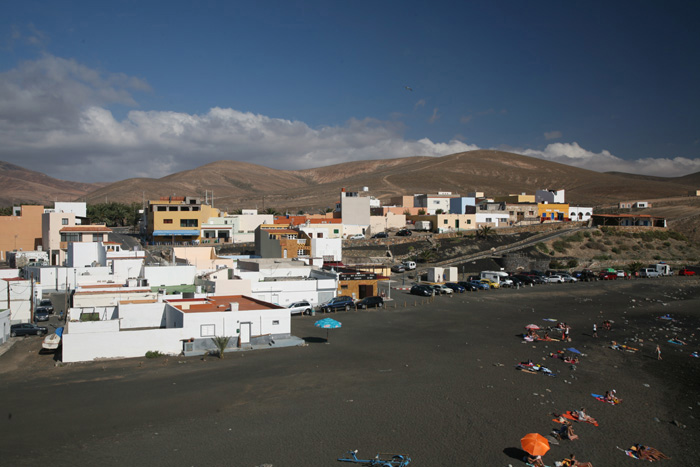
(676, 341)
(602, 399)
(570, 416)
(695, 354)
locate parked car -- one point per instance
(526, 280)
(357, 237)
(398, 268)
(46, 303)
(370, 302)
(468, 286)
(41, 314)
(342, 302)
(491, 284)
(423, 290)
(649, 272)
(441, 289)
(479, 285)
(404, 233)
(381, 235)
(622, 274)
(455, 287)
(555, 279)
(608, 276)
(568, 278)
(585, 275)
(302, 308)
(516, 282)
(538, 279)
(27, 329)
(686, 272)
(409, 265)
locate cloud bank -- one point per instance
(55, 117)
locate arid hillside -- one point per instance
(243, 185)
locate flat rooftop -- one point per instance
(220, 304)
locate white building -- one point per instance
(16, 296)
(354, 210)
(174, 327)
(577, 213)
(435, 202)
(550, 196)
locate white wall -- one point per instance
(110, 298)
(262, 321)
(321, 247)
(142, 315)
(124, 269)
(60, 278)
(124, 344)
(84, 254)
(159, 276)
(5, 326)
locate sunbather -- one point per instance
(610, 397)
(536, 461)
(583, 416)
(572, 462)
(565, 432)
(648, 453)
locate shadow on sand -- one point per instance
(315, 340)
(515, 453)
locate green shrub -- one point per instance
(572, 263)
(542, 247)
(601, 258)
(657, 257)
(154, 354)
(587, 234)
(597, 233)
(555, 265)
(615, 250)
(561, 246)
(89, 317)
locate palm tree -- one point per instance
(221, 342)
(426, 256)
(272, 211)
(484, 232)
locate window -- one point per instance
(319, 235)
(469, 221)
(488, 219)
(185, 208)
(64, 221)
(207, 330)
(172, 208)
(189, 222)
(97, 237)
(195, 208)
(275, 322)
(167, 221)
(300, 252)
(161, 208)
(71, 237)
(335, 231)
(444, 221)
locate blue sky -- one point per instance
(95, 91)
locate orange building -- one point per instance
(21, 231)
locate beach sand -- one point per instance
(435, 381)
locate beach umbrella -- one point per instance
(572, 350)
(535, 444)
(532, 326)
(328, 323)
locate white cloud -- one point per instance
(434, 117)
(54, 118)
(552, 135)
(604, 161)
(419, 104)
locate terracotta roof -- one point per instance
(328, 220)
(87, 228)
(222, 303)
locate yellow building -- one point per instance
(178, 219)
(515, 199)
(555, 212)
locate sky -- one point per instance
(104, 91)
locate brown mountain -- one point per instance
(19, 185)
(243, 185)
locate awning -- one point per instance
(170, 233)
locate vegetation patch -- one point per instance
(154, 354)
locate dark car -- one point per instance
(41, 314)
(398, 268)
(46, 303)
(27, 329)
(537, 279)
(381, 235)
(423, 290)
(369, 302)
(455, 287)
(404, 233)
(342, 302)
(526, 280)
(516, 281)
(469, 287)
(586, 275)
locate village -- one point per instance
(169, 292)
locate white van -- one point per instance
(409, 265)
(649, 272)
(663, 269)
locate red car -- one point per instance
(608, 276)
(686, 272)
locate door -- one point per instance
(456, 224)
(245, 333)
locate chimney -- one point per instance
(233, 306)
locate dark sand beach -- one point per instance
(435, 381)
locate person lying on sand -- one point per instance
(565, 432)
(536, 461)
(615, 346)
(610, 397)
(648, 453)
(607, 325)
(572, 360)
(572, 462)
(583, 416)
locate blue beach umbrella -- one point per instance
(328, 323)
(572, 350)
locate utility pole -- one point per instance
(31, 301)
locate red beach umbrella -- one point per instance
(535, 444)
